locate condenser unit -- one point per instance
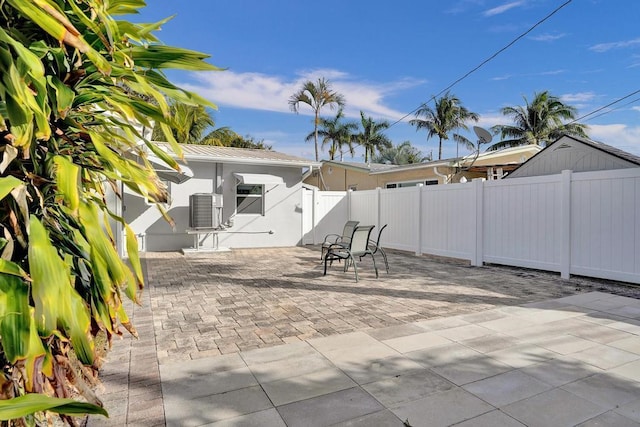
(205, 210)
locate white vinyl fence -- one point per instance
(573, 223)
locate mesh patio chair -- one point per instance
(339, 239)
(357, 248)
(375, 248)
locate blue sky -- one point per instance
(387, 58)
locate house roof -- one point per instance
(361, 167)
(613, 151)
(211, 153)
(607, 149)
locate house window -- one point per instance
(494, 174)
(250, 199)
(411, 183)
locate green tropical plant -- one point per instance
(316, 95)
(371, 136)
(76, 86)
(448, 116)
(337, 133)
(402, 154)
(189, 124)
(540, 122)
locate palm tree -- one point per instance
(316, 95)
(449, 115)
(401, 154)
(371, 137)
(543, 121)
(188, 125)
(337, 133)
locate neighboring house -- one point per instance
(258, 201)
(578, 155)
(341, 176)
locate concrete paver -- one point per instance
(261, 338)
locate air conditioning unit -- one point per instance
(205, 210)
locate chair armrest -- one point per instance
(336, 237)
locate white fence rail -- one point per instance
(574, 223)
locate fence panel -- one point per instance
(521, 222)
(330, 212)
(605, 230)
(400, 209)
(364, 207)
(447, 220)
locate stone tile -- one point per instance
(394, 331)
(266, 418)
(439, 324)
(360, 355)
(605, 357)
(462, 333)
(493, 342)
(271, 354)
(507, 324)
(609, 419)
(631, 344)
(443, 355)
(384, 418)
(631, 410)
(522, 355)
(560, 371)
(416, 342)
(171, 370)
(329, 409)
(442, 409)
(566, 344)
(470, 370)
(556, 408)
(289, 367)
(629, 371)
(491, 419)
(369, 370)
(506, 388)
(600, 334)
(605, 390)
(407, 388)
(193, 386)
(343, 341)
(216, 407)
(318, 383)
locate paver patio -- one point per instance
(260, 337)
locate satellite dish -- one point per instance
(484, 137)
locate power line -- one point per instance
(607, 106)
(514, 41)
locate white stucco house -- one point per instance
(224, 198)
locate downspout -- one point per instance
(446, 178)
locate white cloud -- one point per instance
(577, 97)
(547, 37)
(622, 136)
(503, 8)
(636, 109)
(259, 91)
(604, 47)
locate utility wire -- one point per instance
(514, 41)
(607, 106)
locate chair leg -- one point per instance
(374, 265)
(355, 267)
(384, 256)
(325, 265)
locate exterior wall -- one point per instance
(283, 208)
(569, 154)
(336, 178)
(416, 174)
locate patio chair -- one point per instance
(357, 248)
(375, 248)
(339, 239)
